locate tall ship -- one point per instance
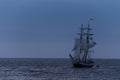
(82, 48)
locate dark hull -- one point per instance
(83, 65)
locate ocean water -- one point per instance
(57, 69)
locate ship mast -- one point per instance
(87, 41)
(81, 34)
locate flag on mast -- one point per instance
(91, 19)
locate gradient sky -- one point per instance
(47, 28)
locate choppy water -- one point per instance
(57, 69)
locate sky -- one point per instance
(47, 28)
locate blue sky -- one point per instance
(47, 28)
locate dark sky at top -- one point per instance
(47, 28)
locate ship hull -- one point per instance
(83, 65)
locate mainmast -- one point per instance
(87, 41)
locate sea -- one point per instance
(57, 69)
